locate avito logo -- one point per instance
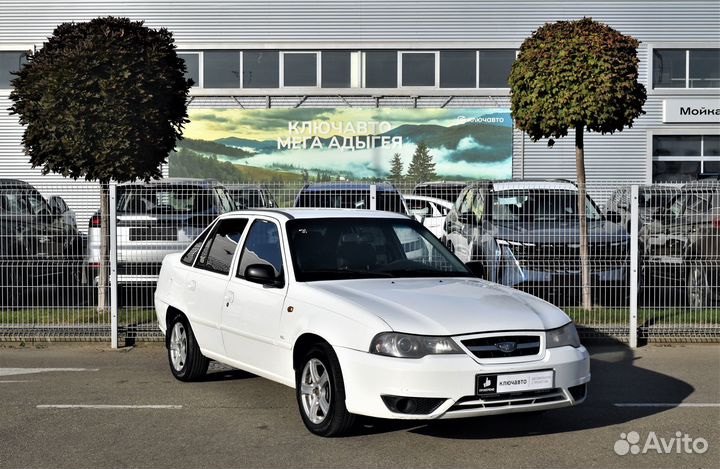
(679, 444)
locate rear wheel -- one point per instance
(187, 363)
(320, 393)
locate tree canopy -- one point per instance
(102, 100)
(576, 73)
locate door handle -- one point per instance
(229, 297)
(191, 285)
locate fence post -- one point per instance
(113, 268)
(373, 197)
(634, 254)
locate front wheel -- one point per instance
(320, 393)
(187, 363)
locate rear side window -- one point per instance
(262, 247)
(216, 256)
(189, 257)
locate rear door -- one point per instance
(206, 282)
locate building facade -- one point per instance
(415, 54)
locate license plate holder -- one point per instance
(506, 383)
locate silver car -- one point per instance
(155, 219)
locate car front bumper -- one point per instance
(452, 380)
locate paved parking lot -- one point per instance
(69, 405)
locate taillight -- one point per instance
(716, 223)
(95, 220)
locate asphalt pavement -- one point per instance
(84, 405)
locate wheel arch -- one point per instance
(303, 343)
(170, 313)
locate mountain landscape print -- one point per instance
(346, 143)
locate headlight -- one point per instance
(562, 336)
(411, 346)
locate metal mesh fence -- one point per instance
(60, 281)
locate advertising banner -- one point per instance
(345, 144)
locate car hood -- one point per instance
(447, 306)
(560, 232)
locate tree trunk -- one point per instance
(584, 258)
(103, 293)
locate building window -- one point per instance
(10, 61)
(381, 69)
(337, 69)
(192, 67)
(458, 69)
(494, 68)
(221, 69)
(418, 68)
(678, 158)
(261, 69)
(686, 68)
(300, 69)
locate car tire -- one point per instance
(698, 286)
(186, 361)
(320, 393)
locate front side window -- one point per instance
(262, 246)
(300, 69)
(217, 254)
(10, 62)
(261, 69)
(340, 248)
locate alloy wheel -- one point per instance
(178, 346)
(315, 391)
(697, 287)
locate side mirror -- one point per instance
(477, 268)
(263, 274)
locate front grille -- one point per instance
(508, 400)
(492, 347)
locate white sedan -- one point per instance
(429, 211)
(327, 301)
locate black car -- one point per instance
(446, 190)
(250, 196)
(526, 234)
(39, 249)
(651, 200)
(681, 249)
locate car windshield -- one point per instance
(352, 248)
(389, 201)
(22, 202)
(539, 205)
(165, 199)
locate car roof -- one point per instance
(306, 213)
(352, 186)
(442, 184)
(14, 182)
(435, 200)
(534, 184)
(173, 181)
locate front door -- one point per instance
(251, 313)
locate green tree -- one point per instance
(421, 167)
(576, 75)
(103, 100)
(396, 168)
